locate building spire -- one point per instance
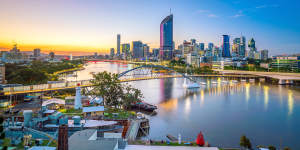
(170, 11)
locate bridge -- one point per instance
(143, 72)
(283, 78)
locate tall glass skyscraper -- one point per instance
(118, 44)
(226, 46)
(166, 38)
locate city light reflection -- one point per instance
(170, 104)
(247, 93)
(290, 102)
(266, 97)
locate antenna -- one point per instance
(170, 11)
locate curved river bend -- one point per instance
(267, 114)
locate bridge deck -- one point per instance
(86, 83)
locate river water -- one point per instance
(267, 114)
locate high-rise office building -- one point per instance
(201, 45)
(236, 47)
(193, 41)
(37, 52)
(118, 44)
(125, 49)
(226, 46)
(146, 50)
(252, 48)
(264, 54)
(112, 52)
(239, 47)
(137, 49)
(51, 55)
(210, 46)
(155, 52)
(166, 38)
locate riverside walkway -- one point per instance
(87, 83)
(283, 78)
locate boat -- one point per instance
(203, 83)
(214, 82)
(243, 80)
(193, 85)
(252, 80)
(235, 81)
(143, 106)
(172, 138)
(225, 82)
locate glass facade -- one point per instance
(166, 38)
(226, 46)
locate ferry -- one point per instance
(143, 105)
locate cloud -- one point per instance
(239, 14)
(200, 11)
(212, 16)
(267, 6)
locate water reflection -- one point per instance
(290, 102)
(170, 104)
(266, 97)
(220, 109)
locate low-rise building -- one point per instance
(287, 62)
(93, 111)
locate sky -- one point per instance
(93, 25)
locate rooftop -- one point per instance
(93, 109)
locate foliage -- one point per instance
(271, 147)
(245, 142)
(37, 72)
(286, 148)
(108, 86)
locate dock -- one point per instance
(138, 128)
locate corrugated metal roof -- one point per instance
(42, 148)
(93, 109)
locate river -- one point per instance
(267, 114)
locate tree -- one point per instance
(130, 96)
(245, 142)
(286, 148)
(108, 86)
(271, 147)
(113, 92)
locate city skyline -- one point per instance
(55, 25)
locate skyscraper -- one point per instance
(201, 45)
(146, 50)
(239, 47)
(137, 49)
(226, 46)
(236, 47)
(112, 52)
(118, 44)
(166, 37)
(264, 54)
(37, 52)
(242, 52)
(126, 49)
(252, 48)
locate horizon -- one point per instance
(92, 26)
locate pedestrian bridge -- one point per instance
(143, 72)
(87, 83)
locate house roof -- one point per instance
(80, 140)
(93, 109)
(42, 148)
(54, 100)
